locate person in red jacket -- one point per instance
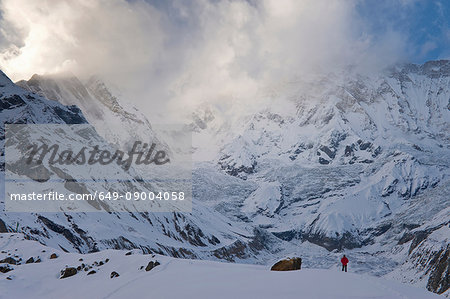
(344, 261)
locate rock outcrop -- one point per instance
(288, 264)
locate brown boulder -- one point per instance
(30, 260)
(288, 264)
(151, 265)
(5, 268)
(53, 256)
(70, 271)
(9, 260)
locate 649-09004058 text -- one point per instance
(54, 195)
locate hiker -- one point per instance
(344, 261)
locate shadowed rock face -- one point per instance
(428, 254)
(288, 265)
(3, 228)
(347, 240)
(439, 281)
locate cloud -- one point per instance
(180, 53)
(83, 36)
(427, 47)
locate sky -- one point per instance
(181, 53)
(425, 25)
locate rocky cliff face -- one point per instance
(427, 263)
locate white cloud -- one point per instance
(189, 52)
(83, 36)
(427, 47)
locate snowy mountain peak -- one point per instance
(431, 69)
(4, 80)
(125, 123)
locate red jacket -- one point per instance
(344, 260)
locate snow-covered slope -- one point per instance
(174, 278)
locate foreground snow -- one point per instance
(175, 278)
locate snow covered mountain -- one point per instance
(343, 162)
(345, 154)
(196, 235)
(98, 104)
(347, 162)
